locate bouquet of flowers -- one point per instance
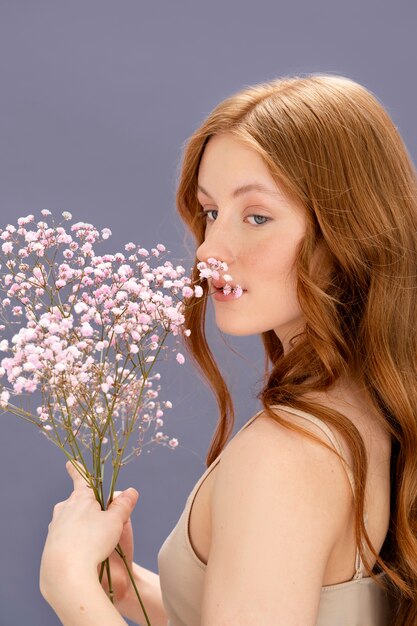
(83, 332)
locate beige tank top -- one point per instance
(357, 602)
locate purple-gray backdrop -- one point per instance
(96, 100)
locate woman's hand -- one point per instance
(81, 535)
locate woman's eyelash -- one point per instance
(203, 214)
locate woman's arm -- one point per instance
(279, 504)
(150, 591)
(92, 605)
(79, 600)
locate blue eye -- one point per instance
(263, 217)
(204, 215)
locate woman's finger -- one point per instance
(124, 504)
(58, 506)
(77, 477)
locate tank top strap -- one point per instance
(359, 569)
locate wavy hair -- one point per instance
(332, 146)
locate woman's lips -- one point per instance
(219, 284)
(222, 297)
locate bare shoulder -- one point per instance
(267, 442)
(280, 463)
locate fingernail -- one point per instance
(132, 491)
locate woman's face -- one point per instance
(256, 232)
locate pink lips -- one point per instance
(220, 295)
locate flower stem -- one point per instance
(123, 557)
(111, 592)
(100, 576)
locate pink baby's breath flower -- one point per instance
(25, 220)
(43, 416)
(39, 249)
(4, 398)
(19, 385)
(180, 358)
(206, 273)
(7, 247)
(31, 386)
(71, 400)
(30, 237)
(187, 292)
(86, 330)
(105, 233)
(173, 443)
(87, 248)
(198, 291)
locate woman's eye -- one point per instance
(263, 218)
(204, 214)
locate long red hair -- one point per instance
(332, 146)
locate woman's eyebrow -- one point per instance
(239, 191)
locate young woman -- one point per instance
(308, 516)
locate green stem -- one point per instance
(111, 592)
(100, 576)
(132, 580)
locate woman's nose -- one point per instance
(216, 245)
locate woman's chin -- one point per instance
(233, 327)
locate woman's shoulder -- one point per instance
(287, 433)
(272, 455)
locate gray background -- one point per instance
(96, 100)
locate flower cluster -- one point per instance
(212, 269)
(90, 330)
